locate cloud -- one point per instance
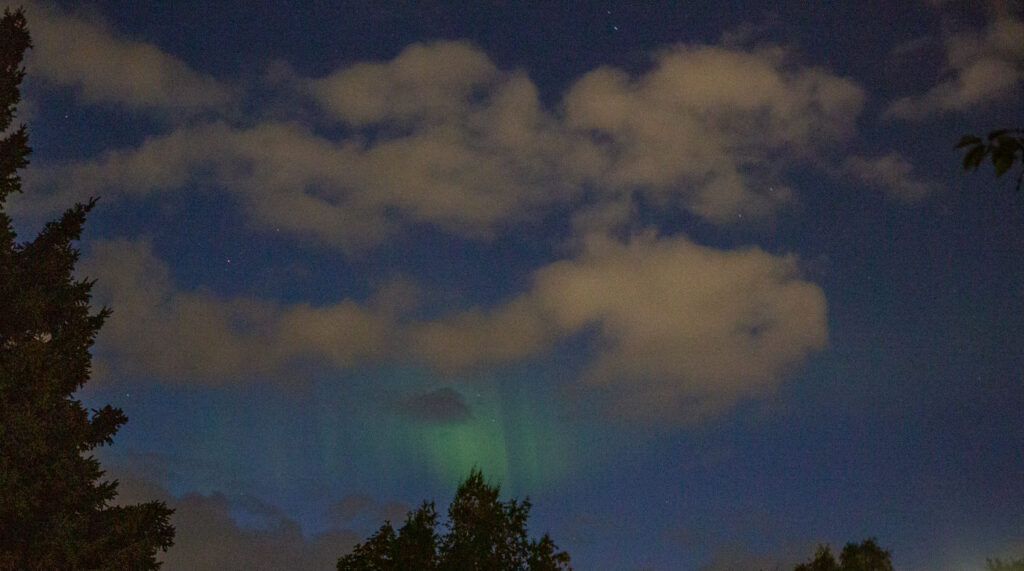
(707, 127)
(354, 509)
(289, 178)
(444, 405)
(284, 176)
(892, 173)
(104, 67)
(208, 537)
(983, 66)
(434, 83)
(460, 135)
(160, 331)
(683, 331)
(449, 138)
(506, 333)
(440, 135)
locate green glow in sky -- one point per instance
(513, 437)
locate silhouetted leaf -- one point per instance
(1002, 160)
(967, 140)
(1007, 142)
(974, 157)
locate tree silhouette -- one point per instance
(1005, 146)
(482, 533)
(54, 511)
(1000, 565)
(865, 556)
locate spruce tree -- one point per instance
(55, 512)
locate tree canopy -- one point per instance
(863, 556)
(55, 512)
(1000, 565)
(482, 533)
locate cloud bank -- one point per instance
(208, 538)
(440, 135)
(160, 331)
(105, 68)
(983, 66)
(682, 331)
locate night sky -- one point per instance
(704, 280)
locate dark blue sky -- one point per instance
(707, 282)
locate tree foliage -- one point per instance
(482, 533)
(55, 513)
(1000, 565)
(865, 556)
(1005, 147)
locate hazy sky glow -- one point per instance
(705, 282)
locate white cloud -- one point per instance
(433, 83)
(104, 67)
(983, 66)
(684, 331)
(511, 332)
(449, 138)
(708, 127)
(440, 135)
(287, 177)
(173, 335)
(283, 175)
(892, 173)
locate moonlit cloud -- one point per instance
(284, 176)
(708, 127)
(983, 66)
(449, 138)
(425, 83)
(104, 67)
(478, 336)
(194, 336)
(684, 331)
(441, 135)
(892, 173)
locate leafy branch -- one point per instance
(1005, 146)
